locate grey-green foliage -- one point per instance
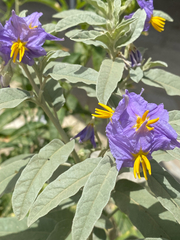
(95, 196)
(109, 75)
(47, 228)
(162, 14)
(145, 212)
(66, 185)
(74, 73)
(167, 191)
(53, 94)
(10, 171)
(174, 120)
(36, 173)
(12, 97)
(136, 74)
(83, 17)
(158, 77)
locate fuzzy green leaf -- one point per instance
(10, 171)
(53, 94)
(166, 189)
(99, 5)
(148, 215)
(66, 185)
(174, 120)
(74, 73)
(136, 74)
(169, 81)
(49, 27)
(95, 196)
(163, 15)
(36, 173)
(135, 31)
(12, 97)
(87, 17)
(109, 75)
(12, 229)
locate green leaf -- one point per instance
(12, 229)
(8, 116)
(136, 74)
(53, 94)
(174, 120)
(175, 153)
(152, 64)
(10, 171)
(12, 97)
(23, 13)
(166, 189)
(163, 15)
(162, 156)
(99, 5)
(49, 27)
(104, 223)
(109, 75)
(153, 220)
(169, 81)
(66, 185)
(63, 227)
(95, 196)
(127, 3)
(151, 83)
(36, 173)
(69, 13)
(85, 17)
(86, 35)
(74, 73)
(116, 9)
(136, 29)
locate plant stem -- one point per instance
(46, 109)
(17, 7)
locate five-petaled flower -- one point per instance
(137, 129)
(22, 38)
(87, 134)
(156, 21)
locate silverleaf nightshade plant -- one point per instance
(22, 38)
(137, 128)
(157, 22)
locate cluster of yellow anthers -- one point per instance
(141, 120)
(140, 157)
(158, 23)
(103, 113)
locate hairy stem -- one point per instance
(46, 109)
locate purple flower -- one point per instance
(22, 38)
(157, 22)
(137, 129)
(87, 134)
(135, 57)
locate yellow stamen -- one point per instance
(100, 113)
(158, 23)
(18, 48)
(144, 118)
(140, 158)
(30, 26)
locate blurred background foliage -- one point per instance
(26, 129)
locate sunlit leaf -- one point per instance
(36, 173)
(109, 75)
(74, 73)
(12, 97)
(66, 185)
(95, 196)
